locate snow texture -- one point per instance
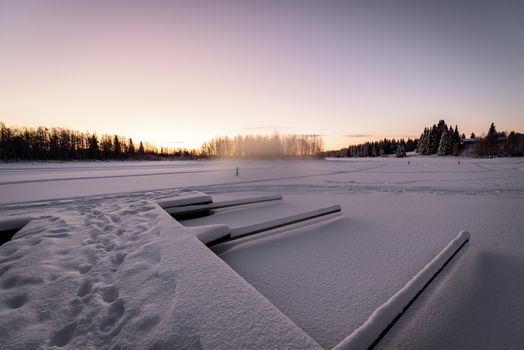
(124, 274)
(364, 336)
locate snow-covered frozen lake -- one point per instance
(325, 277)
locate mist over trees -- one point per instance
(263, 146)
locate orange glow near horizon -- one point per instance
(176, 74)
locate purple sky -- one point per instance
(177, 73)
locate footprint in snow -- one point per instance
(4, 269)
(84, 289)
(63, 336)
(148, 322)
(118, 258)
(16, 301)
(109, 293)
(84, 268)
(115, 312)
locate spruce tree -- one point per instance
(131, 149)
(401, 152)
(117, 148)
(94, 152)
(423, 142)
(446, 143)
(491, 139)
(434, 140)
(140, 152)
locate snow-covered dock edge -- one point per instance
(191, 209)
(14, 223)
(383, 318)
(213, 237)
(240, 232)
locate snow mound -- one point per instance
(124, 274)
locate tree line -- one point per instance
(263, 146)
(440, 139)
(380, 148)
(499, 144)
(62, 144)
(443, 140)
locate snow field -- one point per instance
(330, 275)
(326, 276)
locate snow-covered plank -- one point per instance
(239, 232)
(381, 319)
(185, 200)
(14, 223)
(209, 233)
(189, 209)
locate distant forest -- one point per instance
(441, 139)
(42, 143)
(60, 144)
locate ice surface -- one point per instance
(327, 276)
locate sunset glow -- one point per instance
(178, 73)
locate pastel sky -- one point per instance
(176, 73)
